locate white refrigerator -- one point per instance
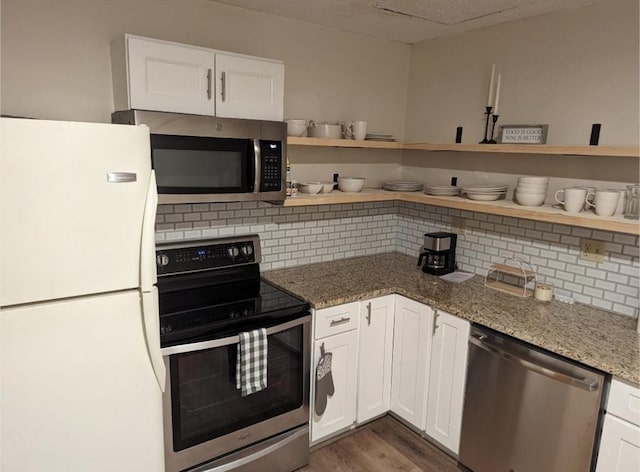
(81, 374)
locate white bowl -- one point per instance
(296, 127)
(531, 190)
(325, 130)
(484, 197)
(533, 180)
(350, 184)
(532, 187)
(309, 187)
(530, 199)
(327, 187)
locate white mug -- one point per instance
(355, 130)
(573, 199)
(359, 130)
(604, 202)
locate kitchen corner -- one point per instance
(594, 337)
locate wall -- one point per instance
(56, 65)
(568, 69)
(295, 236)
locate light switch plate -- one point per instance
(592, 250)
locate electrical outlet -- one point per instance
(591, 250)
(458, 225)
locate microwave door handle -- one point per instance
(230, 340)
(257, 165)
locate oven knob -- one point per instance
(247, 250)
(233, 251)
(162, 260)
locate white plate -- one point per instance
(484, 197)
(485, 188)
(442, 191)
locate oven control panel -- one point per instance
(193, 256)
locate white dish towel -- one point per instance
(251, 363)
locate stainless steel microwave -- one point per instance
(201, 159)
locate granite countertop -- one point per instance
(595, 337)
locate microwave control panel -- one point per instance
(271, 172)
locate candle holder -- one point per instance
(494, 118)
(486, 126)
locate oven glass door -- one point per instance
(196, 164)
(205, 403)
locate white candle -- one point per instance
(495, 108)
(490, 98)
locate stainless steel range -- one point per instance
(209, 292)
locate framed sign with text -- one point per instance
(523, 134)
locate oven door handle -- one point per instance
(230, 340)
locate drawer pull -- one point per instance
(339, 322)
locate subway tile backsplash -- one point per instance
(295, 236)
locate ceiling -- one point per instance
(406, 21)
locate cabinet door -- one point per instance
(411, 348)
(249, 88)
(340, 412)
(171, 77)
(619, 446)
(447, 374)
(374, 357)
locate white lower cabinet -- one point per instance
(620, 440)
(338, 326)
(411, 347)
(391, 354)
(447, 374)
(374, 357)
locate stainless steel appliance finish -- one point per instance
(210, 291)
(268, 181)
(526, 410)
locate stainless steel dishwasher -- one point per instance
(526, 410)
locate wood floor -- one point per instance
(384, 445)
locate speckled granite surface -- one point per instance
(594, 337)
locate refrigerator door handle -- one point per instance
(151, 324)
(148, 273)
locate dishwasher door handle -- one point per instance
(587, 384)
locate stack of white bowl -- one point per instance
(531, 191)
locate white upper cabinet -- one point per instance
(447, 374)
(375, 351)
(151, 74)
(249, 87)
(163, 76)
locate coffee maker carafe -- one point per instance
(438, 253)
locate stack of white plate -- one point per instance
(400, 186)
(379, 137)
(442, 190)
(531, 191)
(485, 193)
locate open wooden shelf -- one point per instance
(344, 143)
(545, 213)
(545, 149)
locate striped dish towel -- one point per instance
(251, 363)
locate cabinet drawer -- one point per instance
(336, 319)
(624, 402)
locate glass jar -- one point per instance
(632, 202)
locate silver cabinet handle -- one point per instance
(209, 84)
(223, 80)
(435, 323)
(586, 383)
(368, 317)
(339, 322)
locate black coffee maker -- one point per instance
(438, 253)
